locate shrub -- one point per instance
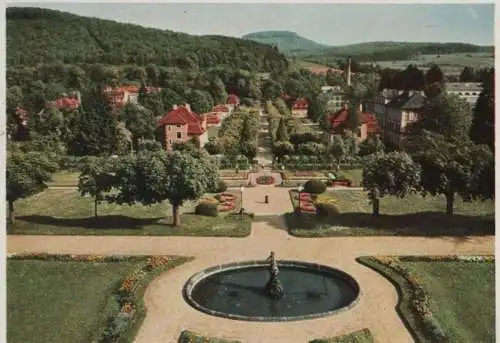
(315, 187)
(221, 186)
(206, 209)
(326, 210)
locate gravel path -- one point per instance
(168, 314)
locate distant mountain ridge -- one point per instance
(290, 43)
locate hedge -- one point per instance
(314, 186)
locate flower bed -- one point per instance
(265, 180)
(308, 207)
(305, 197)
(233, 175)
(128, 299)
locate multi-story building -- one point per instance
(469, 91)
(181, 125)
(335, 97)
(399, 113)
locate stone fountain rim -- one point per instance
(199, 276)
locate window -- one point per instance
(169, 127)
(179, 134)
(178, 125)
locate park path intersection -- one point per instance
(168, 314)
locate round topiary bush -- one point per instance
(326, 210)
(315, 187)
(221, 186)
(265, 180)
(206, 209)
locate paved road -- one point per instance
(168, 314)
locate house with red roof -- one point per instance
(339, 119)
(66, 102)
(232, 101)
(223, 111)
(181, 125)
(119, 96)
(299, 108)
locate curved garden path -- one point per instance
(168, 314)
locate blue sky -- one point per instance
(331, 24)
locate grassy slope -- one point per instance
(412, 215)
(59, 302)
(66, 212)
(461, 297)
(361, 336)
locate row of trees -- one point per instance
(150, 176)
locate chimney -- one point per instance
(345, 106)
(174, 107)
(349, 71)
(187, 106)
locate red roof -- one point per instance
(339, 117)
(233, 99)
(183, 116)
(65, 103)
(300, 104)
(220, 108)
(212, 119)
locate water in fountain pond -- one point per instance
(242, 292)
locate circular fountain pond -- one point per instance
(238, 291)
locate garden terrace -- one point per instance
(412, 215)
(78, 298)
(65, 212)
(233, 175)
(450, 297)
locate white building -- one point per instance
(469, 91)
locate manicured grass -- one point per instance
(461, 297)
(65, 179)
(410, 216)
(193, 337)
(360, 336)
(49, 301)
(355, 175)
(65, 212)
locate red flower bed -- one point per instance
(307, 207)
(265, 180)
(227, 206)
(305, 197)
(226, 196)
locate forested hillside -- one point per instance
(287, 42)
(36, 35)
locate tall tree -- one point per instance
(434, 81)
(282, 132)
(447, 115)
(394, 173)
(371, 145)
(317, 108)
(337, 150)
(139, 121)
(467, 75)
(96, 179)
(483, 123)
(95, 130)
(152, 177)
(27, 174)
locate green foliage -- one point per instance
(482, 129)
(26, 174)
(206, 209)
(192, 337)
(317, 108)
(221, 186)
(311, 149)
(200, 101)
(271, 89)
(371, 145)
(139, 121)
(394, 173)
(281, 149)
(95, 128)
(455, 167)
(144, 145)
(40, 35)
(337, 149)
(315, 186)
(96, 179)
(446, 115)
(326, 210)
(282, 132)
(214, 147)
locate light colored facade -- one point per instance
(335, 97)
(400, 112)
(469, 91)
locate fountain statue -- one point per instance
(274, 288)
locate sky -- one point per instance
(330, 23)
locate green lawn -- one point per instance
(361, 336)
(49, 301)
(65, 179)
(193, 337)
(412, 216)
(65, 212)
(462, 298)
